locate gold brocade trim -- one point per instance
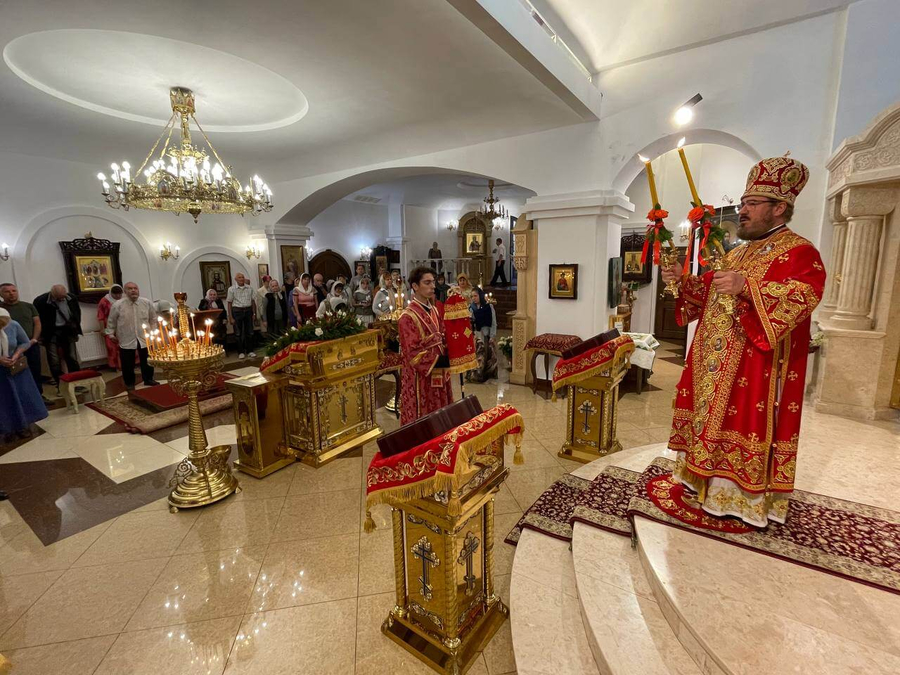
(461, 312)
(431, 460)
(761, 310)
(462, 364)
(564, 380)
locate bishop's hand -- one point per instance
(728, 283)
(669, 273)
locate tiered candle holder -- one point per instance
(191, 366)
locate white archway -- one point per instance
(630, 170)
(23, 246)
(185, 261)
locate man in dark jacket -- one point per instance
(60, 316)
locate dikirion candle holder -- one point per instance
(192, 365)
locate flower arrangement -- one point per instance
(329, 327)
(505, 345)
(710, 233)
(816, 340)
(657, 233)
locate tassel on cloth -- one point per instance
(369, 526)
(518, 457)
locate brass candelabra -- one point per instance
(191, 366)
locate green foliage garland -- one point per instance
(329, 327)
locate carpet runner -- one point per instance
(850, 540)
(141, 420)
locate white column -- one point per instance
(583, 228)
(835, 269)
(396, 238)
(285, 235)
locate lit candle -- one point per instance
(208, 330)
(651, 180)
(193, 327)
(687, 172)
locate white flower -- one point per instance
(319, 332)
(359, 321)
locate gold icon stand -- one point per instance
(593, 411)
(447, 609)
(204, 476)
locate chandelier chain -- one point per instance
(209, 143)
(155, 145)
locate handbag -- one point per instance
(17, 366)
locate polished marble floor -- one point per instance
(278, 579)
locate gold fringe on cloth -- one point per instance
(442, 482)
(605, 365)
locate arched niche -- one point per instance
(186, 277)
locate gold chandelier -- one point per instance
(181, 178)
(492, 210)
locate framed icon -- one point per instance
(215, 274)
(293, 260)
(563, 282)
(632, 250)
(262, 270)
(474, 243)
(92, 267)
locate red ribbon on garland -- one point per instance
(700, 218)
(654, 229)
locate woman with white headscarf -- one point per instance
(20, 400)
(334, 302)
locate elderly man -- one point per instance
(27, 316)
(125, 326)
(738, 403)
(321, 289)
(60, 316)
(241, 302)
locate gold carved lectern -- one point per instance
(593, 406)
(312, 402)
(447, 608)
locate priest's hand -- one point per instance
(669, 273)
(728, 283)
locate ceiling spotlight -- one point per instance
(686, 112)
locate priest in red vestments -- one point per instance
(738, 403)
(424, 387)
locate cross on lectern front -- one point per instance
(423, 551)
(588, 409)
(470, 545)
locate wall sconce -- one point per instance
(166, 251)
(726, 198)
(684, 230)
(4, 256)
(452, 225)
(252, 251)
(365, 253)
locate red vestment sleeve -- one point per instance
(692, 298)
(784, 299)
(419, 349)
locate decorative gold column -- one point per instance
(523, 321)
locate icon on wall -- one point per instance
(216, 274)
(475, 242)
(563, 282)
(92, 266)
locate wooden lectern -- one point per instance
(447, 608)
(593, 397)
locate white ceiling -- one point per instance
(609, 33)
(383, 79)
(442, 191)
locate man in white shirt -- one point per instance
(241, 303)
(125, 326)
(500, 264)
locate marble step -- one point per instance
(626, 628)
(738, 611)
(548, 633)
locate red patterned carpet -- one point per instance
(851, 540)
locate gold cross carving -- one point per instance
(424, 552)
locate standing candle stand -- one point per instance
(191, 365)
(387, 324)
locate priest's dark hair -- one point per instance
(415, 277)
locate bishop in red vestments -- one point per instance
(423, 387)
(738, 403)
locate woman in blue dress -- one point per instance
(20, 400)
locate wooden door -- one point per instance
(666, 326)
(329, 264)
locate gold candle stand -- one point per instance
(447, 608)
(204, 476)
(593, 411)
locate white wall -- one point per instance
(44, 201)
(347, 226)
(774, 90)
(870, 72)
